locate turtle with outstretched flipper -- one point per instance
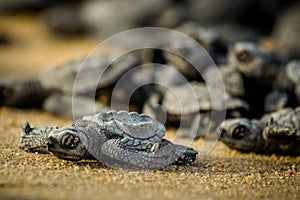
(277, 132)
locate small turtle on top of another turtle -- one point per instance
(277, 132)
(120, 139)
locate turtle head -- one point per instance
(67, 143)
(241, 133)
(248, 58)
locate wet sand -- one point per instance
(223, 174)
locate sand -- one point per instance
(223, 174)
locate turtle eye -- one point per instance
(244, 56)
(70, 141)
(239, 132)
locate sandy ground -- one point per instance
(223, 174)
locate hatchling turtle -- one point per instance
(78, 79)
(116, 138)
(277, 132)
(190, 105)
(255, 68)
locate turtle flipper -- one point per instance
(115, 154)
(285, 137)
(184, 155)
(34, 139)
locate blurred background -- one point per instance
(36, 35)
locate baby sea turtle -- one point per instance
(190, 104)
(276, 132)
(278, 82)
(80, 79)
(117, 139)
(255, 68)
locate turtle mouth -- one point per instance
(65, 156)
(65, 147)
(55, 148)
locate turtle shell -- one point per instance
(86, 73)
(130, 125)
(193, 97)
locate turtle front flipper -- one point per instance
(184, 155)
(284, 137)
(115, 154)
(34, 139)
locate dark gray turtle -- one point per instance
(257, 65)
(118, 139)
(78, 79)
(277, 133)
(278, 83)
(260, 69)
(22, 94)
(86, 74)
(190, 105)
